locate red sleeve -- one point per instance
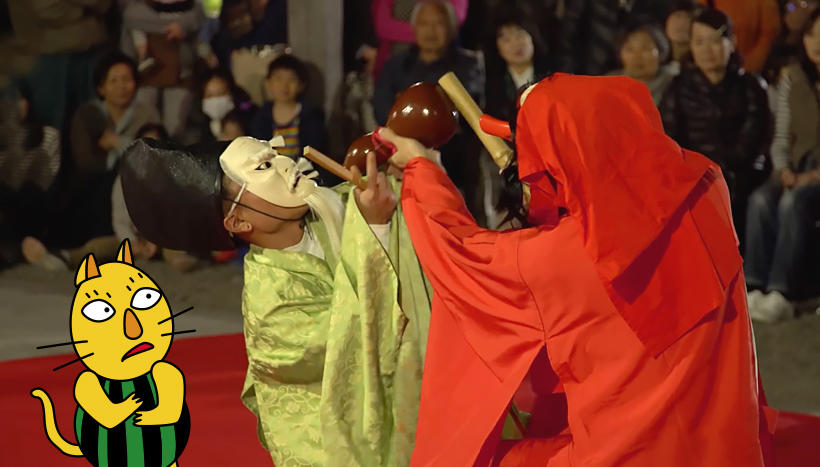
(472, 269)
(484, 329)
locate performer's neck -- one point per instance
(288, 235)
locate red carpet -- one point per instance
(223, 431)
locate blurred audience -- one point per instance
(756, 24)
(219, 97)
(103, 247)
(643, 48)
(433, 55)
(163, 36)
(715, 108)
(29, 161)
(249, 25)
(65, 36)
(516, 56)
(589, 29)
(678, 28)
(783, 212)
(395, 28)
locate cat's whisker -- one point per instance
(73, 361)
(61, 343)
(179, 332)
(174, 316)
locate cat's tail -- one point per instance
(51, 425)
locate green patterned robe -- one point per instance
(336, 347)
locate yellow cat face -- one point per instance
(119, 318)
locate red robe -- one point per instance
(637, 295)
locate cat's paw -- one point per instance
(132, 402)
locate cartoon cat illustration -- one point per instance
(131, 403)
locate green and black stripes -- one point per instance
(129, 445)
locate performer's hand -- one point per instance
(407, 149)
(378, 202)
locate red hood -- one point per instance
(617, 172)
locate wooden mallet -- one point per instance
(334, 167)
(497, 147)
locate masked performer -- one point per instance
(629, 276)
(335, 345)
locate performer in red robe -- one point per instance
(634, 288)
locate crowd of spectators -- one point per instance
(736, 80)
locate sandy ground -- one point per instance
(34, 310)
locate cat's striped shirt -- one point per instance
(129, 445)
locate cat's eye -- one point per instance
(98, 310)
(145, 298)
(264, 166)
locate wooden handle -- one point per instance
(498, 149)
(333, 167)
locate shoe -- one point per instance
(773, 307)
(37, 254)
(753, 299)
(145, 65)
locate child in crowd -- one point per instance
(287, 114)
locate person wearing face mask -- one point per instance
(716, 108)
(643, 50)
(220, 97)
(335, 305)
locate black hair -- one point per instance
(511, 197)
(153, 127)
(34, 130)
(719, 21)
(109, 61)
(289, 62)
(655, 33)
(237, 116)
(716, 19)
(512, 17)
(688, 6)
(809, 67)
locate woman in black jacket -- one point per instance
(714, 107)
(516, 56)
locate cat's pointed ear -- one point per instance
(124, 255)
(88, 269)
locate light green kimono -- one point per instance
(336, 347)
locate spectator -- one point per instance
(163, 36)
(29, 161)
(516, 56)
(715, 108)
(589, 30)
(359, 42)
(288, 114)
(234, 125)
(64, 36)
(103, 247)
(433, 55)
(100, 132)
(643, 49)
(756, 22)
(102, 129)
(394, 26)
(249, 24)
(678, 28)
(783, 211)
(219, 97)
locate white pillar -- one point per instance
(315, 35)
